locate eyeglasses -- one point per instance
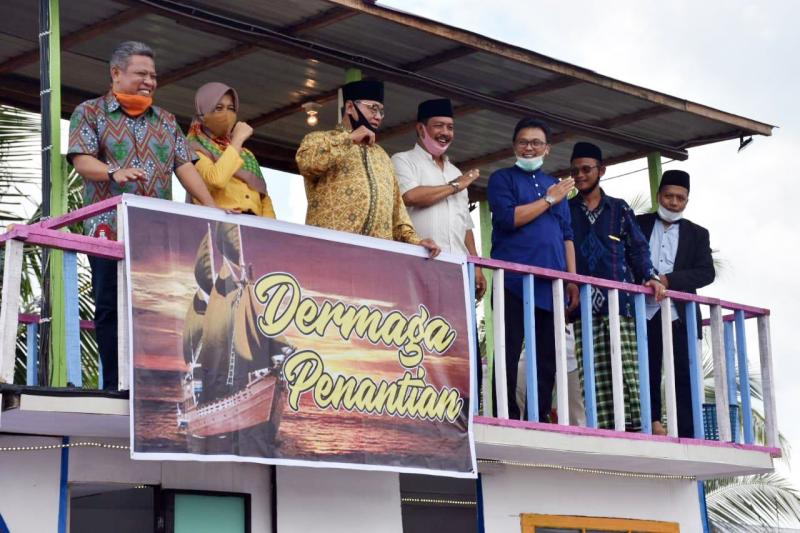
(536, 143)
(583, 169)
(375, 109)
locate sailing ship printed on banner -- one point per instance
(234, 379)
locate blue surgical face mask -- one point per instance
(530, 164)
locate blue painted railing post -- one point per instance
(730, 371)
(644, 362)
(473, 345)
(587, 342)
(531, 375)
(744, 379)
(72, 321)
(695, 370)
(32, 377)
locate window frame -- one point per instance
(530, 522)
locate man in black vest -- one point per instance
(681, 254)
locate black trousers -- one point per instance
(104, 291)
(683, 384)
(545, 356)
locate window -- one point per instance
(537, 523)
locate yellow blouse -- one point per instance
(229, 192)
(352, 188)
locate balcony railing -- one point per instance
(727, 333)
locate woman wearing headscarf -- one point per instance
(230, 171)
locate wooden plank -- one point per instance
(531, 373)
(83, 34)
(9, 309)
(669, 367)
(744, 378)
(475, 374)
(644, 362)
(560, 333)
(616, 360)
(767, 380)
(730, 371)
(720, 385)
(123, 346)
(587, 345)
(32, 362)
(498, 320)
(72, 320)
(488, 322)
(695, 370)
(438, 58)
(205, 63)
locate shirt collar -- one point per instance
(112, 104)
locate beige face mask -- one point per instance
(220, 123)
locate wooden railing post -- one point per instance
(767, 380)
(720, 375)
(500, 379)
(9, 310)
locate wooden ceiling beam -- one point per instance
(206, 63)
(542, 87)
(320, 20)
(78, 36)
(290, 109)
(438, 58)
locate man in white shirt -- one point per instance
(433, 189)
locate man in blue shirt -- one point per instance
(531, 225)
(610, 245)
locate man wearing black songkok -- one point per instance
(680, 251)
(610, 245)
(349, 178)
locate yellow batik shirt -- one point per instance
(352, 187)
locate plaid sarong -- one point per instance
(602, 371)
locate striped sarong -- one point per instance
(602, 371)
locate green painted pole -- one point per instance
(352, 74)
(654, 169)
(486, 251)
(58, 205)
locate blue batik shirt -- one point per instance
(539, 242)
(610, 245)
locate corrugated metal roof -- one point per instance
(316, 39)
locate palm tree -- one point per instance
(20, 172)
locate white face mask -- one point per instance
(530, 164)
(668, 216)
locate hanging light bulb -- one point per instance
(311, 109)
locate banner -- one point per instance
(264, 341)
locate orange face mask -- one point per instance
(134, 104)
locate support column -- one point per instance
(654, 169)
(54, 194)
(486, 250)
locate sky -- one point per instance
(734, 55)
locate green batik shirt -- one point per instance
(152, 142)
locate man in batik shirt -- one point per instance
(121, 143)
(610, 245)
(349, 178)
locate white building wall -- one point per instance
(338, 501)
(31, 481)
(509, 492)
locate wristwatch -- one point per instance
(111, 170)
(454, 184)
(549, 199)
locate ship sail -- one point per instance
(221, 337)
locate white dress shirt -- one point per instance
(663, 248)
(446, 221)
